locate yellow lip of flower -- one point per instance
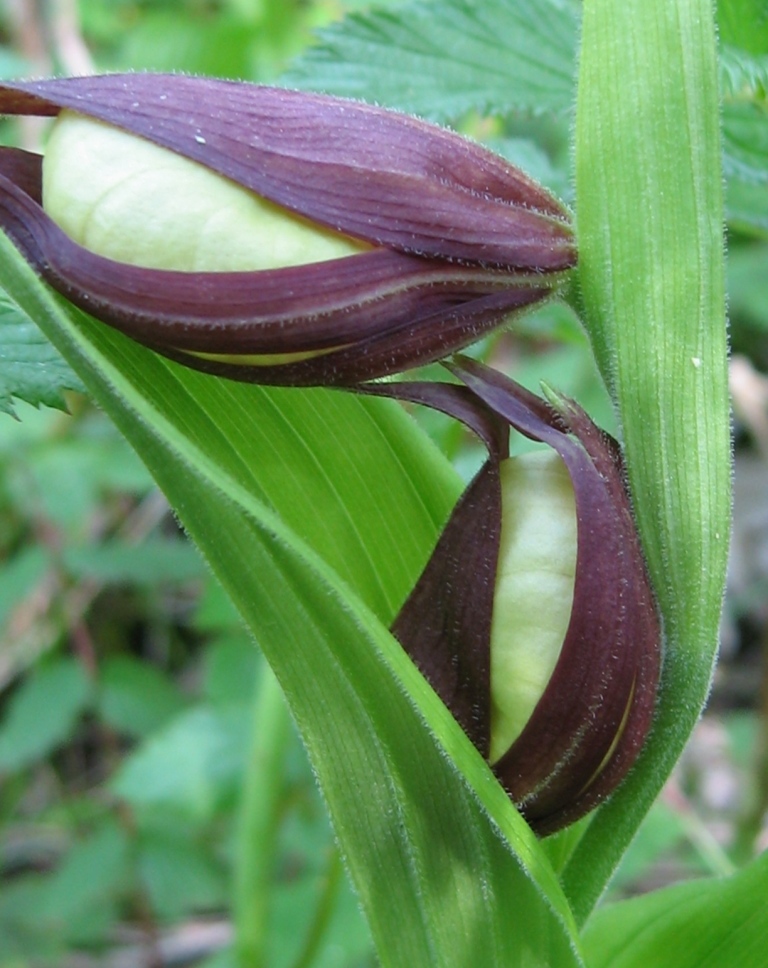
(426, 241)
(133, 201)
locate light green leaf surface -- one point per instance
(316, 511)
(710, 923)
(650, 215)
(440, 60)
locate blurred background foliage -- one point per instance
(128, 689)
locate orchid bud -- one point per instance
(534, 619)
(274, 236)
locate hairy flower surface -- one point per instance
(534, 619)
(342, 242)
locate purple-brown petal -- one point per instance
(377, 175)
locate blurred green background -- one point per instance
(127, 685)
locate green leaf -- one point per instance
(177, 876)
(745, 162)
(745, 142)
(30, 368)
(441, 60)
(190, 766)
(134, 697)
(748, 207)
(317, 510)
(156, 560)
(23, 938)
(701, 924)
(230, 670)
(743, 76)
(164, 41)
(42, 713)
(79, 898)
(744, 23)
(650, 216)
(746, 285)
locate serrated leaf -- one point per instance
(317, 511)
(30, 368)
(745, 163)
(43, 713)
(701, 924)
(743, 76)
(441, 60)
(745, 142)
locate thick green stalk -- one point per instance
(650, 217)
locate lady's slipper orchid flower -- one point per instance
(270, 235)
(534, 619)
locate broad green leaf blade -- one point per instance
(650, 215)
(30, 368)
(447, 872)
(701, 924)
(440, 60)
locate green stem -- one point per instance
(258, 822)
(650, 217)
(328, 892)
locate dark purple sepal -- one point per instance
(592, 719)
(366, 315)
(445, 624)
(374, 174)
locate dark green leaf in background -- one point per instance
(178, 880)
(134, 697)
(79, 899)
(43, 713)
(744, 24)
(154, 561)
(188, 766)
(30, 368)
(441, 60)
